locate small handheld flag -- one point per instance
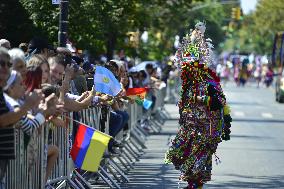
(88, 148)
(147, 104)
(133, 93)
(139, 101)
(105, 81)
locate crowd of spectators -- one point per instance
(38, 83)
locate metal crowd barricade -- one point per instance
(136, 132)
(28, 170)
(62, 138)
(159, 109)
(64, 172)
(152, 119)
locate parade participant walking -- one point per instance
(204, 117)
(237, 74)
(244, 74)
(225, 74)
(269, 76)
(257, 74)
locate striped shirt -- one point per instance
(28, 125)
(7, 134)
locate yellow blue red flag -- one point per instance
(88, 148)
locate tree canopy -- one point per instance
(101, 26)
(257, 30)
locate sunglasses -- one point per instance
(5, 63)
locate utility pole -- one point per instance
(63, 23)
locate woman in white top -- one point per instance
(14, 92)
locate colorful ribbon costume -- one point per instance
(204, 116)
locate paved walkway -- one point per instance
(150, 171)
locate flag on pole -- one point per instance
(88, 148)
(105, 81)
(133, 93)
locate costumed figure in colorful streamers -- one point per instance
(204, 116)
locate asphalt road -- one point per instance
(253, 158)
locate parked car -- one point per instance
(278, 62)
(279, 88)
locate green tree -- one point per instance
(268, 19)
(257, 30)
(44, 16)
(178, 19)
(16, 29)
(102, 25)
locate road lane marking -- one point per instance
(267, 115)
(239, 114)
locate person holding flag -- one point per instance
(106, 81)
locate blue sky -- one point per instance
(248, 5)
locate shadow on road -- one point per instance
(250, 137)
(245, 103)
(258, 120)
(246, 120)
(276, 181)
(155, 176)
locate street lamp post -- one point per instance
(63, 23)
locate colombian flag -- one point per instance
(135, 93)
(88, 148)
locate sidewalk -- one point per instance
(150, 171)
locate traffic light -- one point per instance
(233, 13)
(236, 13)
